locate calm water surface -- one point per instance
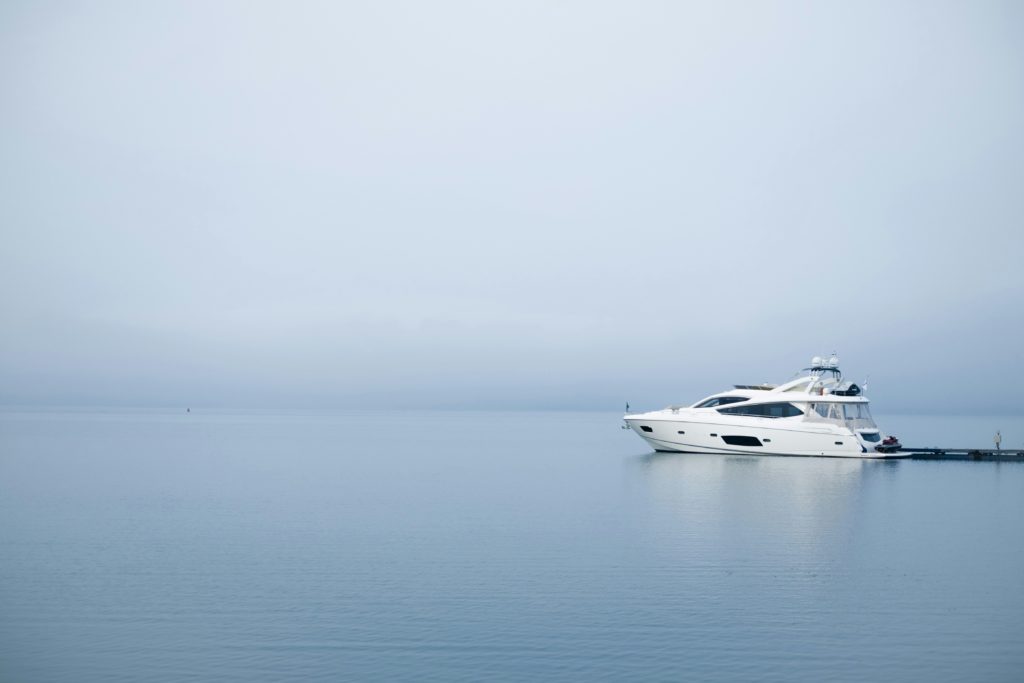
(495, 546)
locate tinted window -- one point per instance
(741, 440)
(764, 410)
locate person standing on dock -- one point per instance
(998, 439)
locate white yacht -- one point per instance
(815, 414)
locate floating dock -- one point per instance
(964, 454)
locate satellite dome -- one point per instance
(817, 362)
(833, 362)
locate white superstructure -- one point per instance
(816, 414)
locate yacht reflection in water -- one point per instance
(736, 497)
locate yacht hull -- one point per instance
(751, 436)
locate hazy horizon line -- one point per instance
(10, 407)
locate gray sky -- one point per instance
(550, 204)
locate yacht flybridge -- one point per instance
(818, 413)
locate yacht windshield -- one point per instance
(720, 401)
